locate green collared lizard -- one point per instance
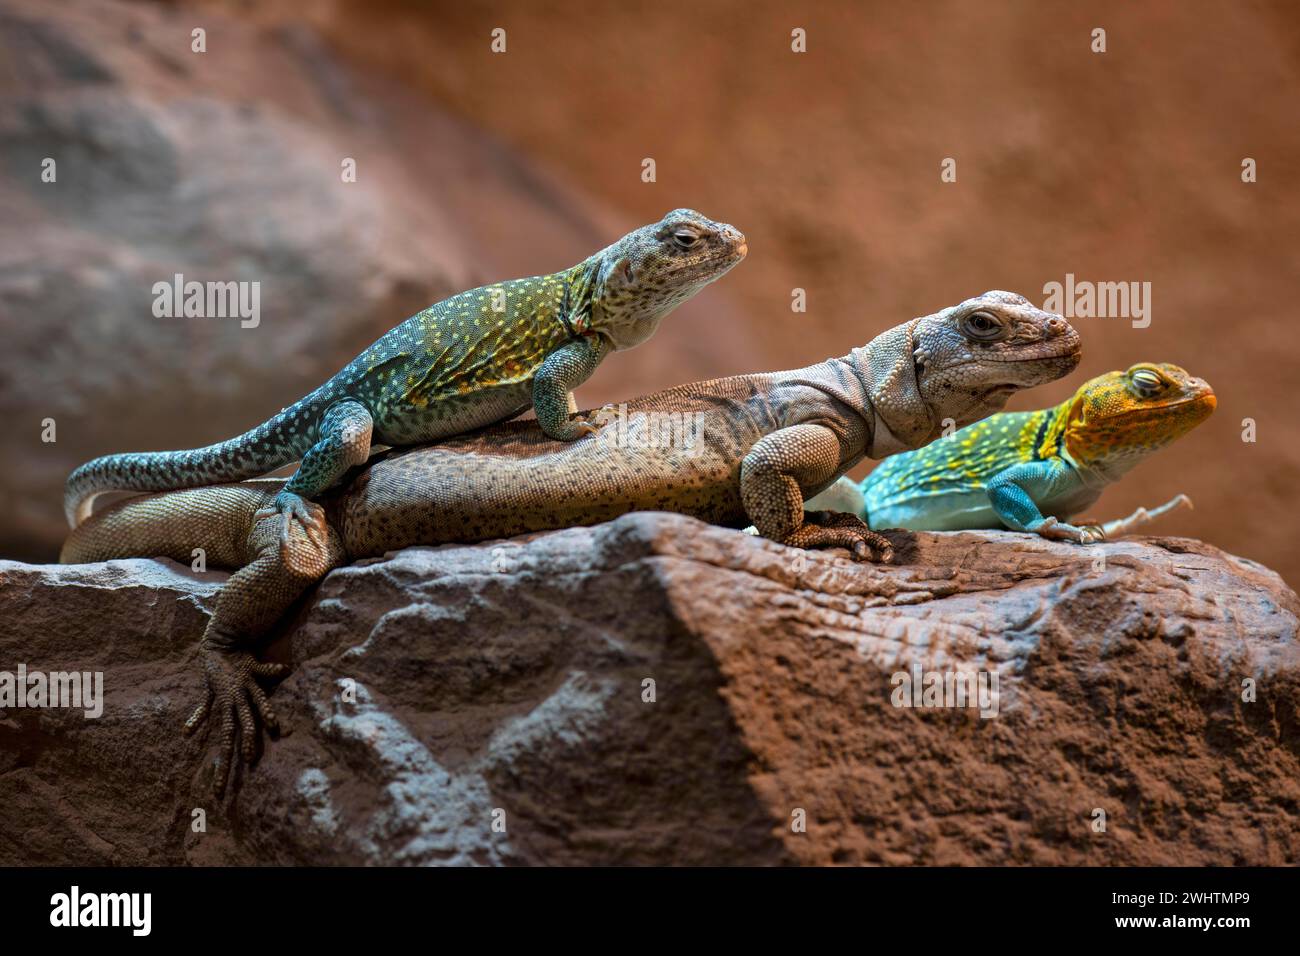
(479, 357)
(738, 450)
(1033, 471)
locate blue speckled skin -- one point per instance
(476, 358)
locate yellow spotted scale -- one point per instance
(477, 358)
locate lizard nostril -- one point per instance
(1061, 328)
(736, 240)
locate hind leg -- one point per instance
(252, 600)
(1122, 526)
(345, 433)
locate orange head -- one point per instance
(1117, 419)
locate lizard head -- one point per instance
(963, 363)
(972, 357)
(1117, 419)
(652, 270)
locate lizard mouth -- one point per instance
(1037, 370)
(1040, 369)
(1070, 354)
(707, 270)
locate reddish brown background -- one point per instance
(1115, 167)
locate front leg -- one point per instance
(250, 602)
(771, 476)
(1012, 493)
(561, 372)
(345, 433)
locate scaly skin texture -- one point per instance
(731, 451)
(1033, 471)
(479, 357)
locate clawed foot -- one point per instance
(293, 507)
(1092, 534)
(233, 689)
(838, 529)
(1055, 530)
(601, 416)
(575, 428)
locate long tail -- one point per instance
(278, 441)
(173, 524)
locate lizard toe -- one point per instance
(837, 529)
(198, 717)
(233, 690)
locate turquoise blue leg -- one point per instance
(1014, 491)
(560, 373)
(345, 431)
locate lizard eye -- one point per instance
(982, 326)
(685, 239)
(1147, 383)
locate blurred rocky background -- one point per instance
(474, 166)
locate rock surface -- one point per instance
(507, 678)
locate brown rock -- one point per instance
(509, 676)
